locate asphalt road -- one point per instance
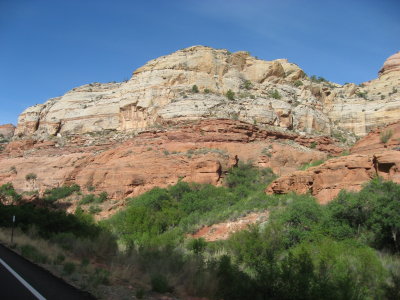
(42, 284)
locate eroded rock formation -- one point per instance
(195, 152)
(372, 156)
(7, 131)
(267, 93)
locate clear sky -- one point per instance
(48, 47)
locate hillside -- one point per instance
(173, 120)
(203, 175)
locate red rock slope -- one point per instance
(198, 152)
(371, 156)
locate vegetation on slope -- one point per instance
(162, 216)
(348, 249)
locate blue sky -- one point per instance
(48, 47)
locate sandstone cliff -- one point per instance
(267, 93)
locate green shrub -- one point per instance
(48, 222)
(207, 91)
(362, 94)
(247, 175)
(312, 164)
(159, 283)
(275, 94)
(318, 79)
(313, 145)
(140, 293)
(60, 192)
(7, 190)
(87, 199)
(94, 209)
(30, 176)
(385, 136)
(59, 259)
(102, 197)
(195, 89)
(373, 214)
(33, 254)
(298, 83)
(230, 95)
(69, 268)
(247, 85)
(197, 245)
(100, 276)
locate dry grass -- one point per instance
(121, 269)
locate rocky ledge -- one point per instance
(378, 154)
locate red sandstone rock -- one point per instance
(198, 152)
(373, 142)
(370, 156)
(222, 231)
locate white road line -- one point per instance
(27, 285)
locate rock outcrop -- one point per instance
(370, 157)
(392, 64)
(7, 131)
(272, 93)
(195, 152)
(173, 120)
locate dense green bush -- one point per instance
(60, 192)
(347, 249)
(48, 222)
(159, 283)
(7, 190)
(373, 214)
(162, 216)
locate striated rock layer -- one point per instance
(195, 152)
(267, 93)
(7, 131)
(371, 156)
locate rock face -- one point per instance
(222, 231)
(175, 120)
(375, 141)
(370, 157)
(161, 91)
(392, 64)
(7, 131)
(195, 152)
(274, 93)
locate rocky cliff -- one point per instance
(378, 154)
(193, 114)
(192, 83)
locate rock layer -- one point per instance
(392, 64)
(267, 93)
(195, 152)
(370, 157)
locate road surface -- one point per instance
(20, 279)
